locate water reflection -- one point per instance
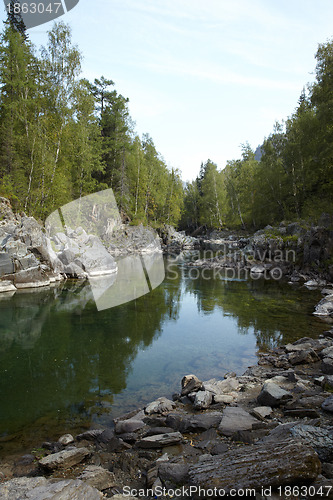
(59, 356)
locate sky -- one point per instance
(203, 77)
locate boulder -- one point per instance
(272, 395)
(325, 306)
(6, 264)
(161, 406)
(262, 412)
(160, 440)
(190, 383)
(219, 387)
(98, 477)
(7, 286)
(236, 419)
(320, 439)
(193, 423)
(176, 473)
(303, 356)
(66, 439)
(39, 488)
(284, 464)
(327, 366)
(328, 404)
(34, 277)
(64, 459)
(202, 400)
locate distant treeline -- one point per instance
(290, 177)
(62, 137)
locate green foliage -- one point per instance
(62, 137)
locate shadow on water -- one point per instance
(64, 366)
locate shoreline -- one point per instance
(284, 400)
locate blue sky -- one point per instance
(203, 77)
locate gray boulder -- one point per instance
(193, 423)
(272, 395)
(284, 464)
(160, 440)
(190, 383)
(6, 264)
(161, 405)
(39, 488)
(64, 459)
(328, 404)
(98, 477)
(236, 419)
(202, 400)
(325, 306)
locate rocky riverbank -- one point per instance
(270, 428)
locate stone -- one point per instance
(190, 383)
(64, 459)
(7, 286)
(303, 356)
(6, 264)
(235, 419)
(301, 413)
(193, 423)
(285, 463)
(128, 426)
(161, 406)
(319, 438)
(262, 412)
(176, 473)
(158, 430)
(39, 488)
(327, 352)
(325, 306)
(258, 269)
(223, 399)
(202, 400)
(66, 439)
(31, 278)
(328, 404)
(98, 477)
(220, 387)
(327, 366)
(160, 440)
(328, 382)
(272, 395)
(90, 435)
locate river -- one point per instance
(65, 367)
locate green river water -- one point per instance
(65, 367)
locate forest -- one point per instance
(62, 137)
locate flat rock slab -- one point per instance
(272, 395)
(7, 286)
(160, 440)
(193, 423)
(236, 419)
(39, 488)
(254, 466)
(64, 459)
